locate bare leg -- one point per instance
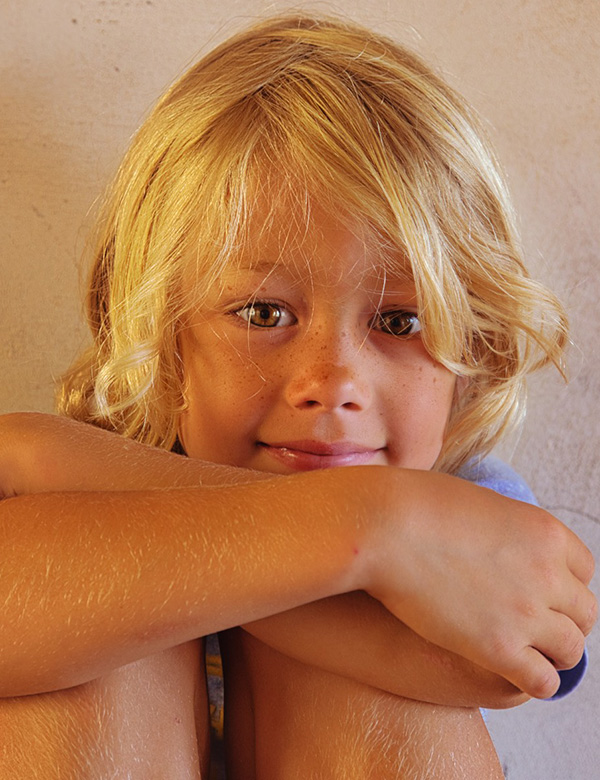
(309, 723)
(146, 721)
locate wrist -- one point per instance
(375, 517)
(386, 495)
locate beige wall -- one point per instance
(77, 76)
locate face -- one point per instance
(305, 359)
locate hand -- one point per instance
(499, 582)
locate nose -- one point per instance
(331, 375)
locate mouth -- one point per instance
(311, 455)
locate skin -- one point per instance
(92, 630)
(338, 388)
(146, 720)
(305, 371)
(308, 376)
(42, 453)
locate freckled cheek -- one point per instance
(224, 368)
(439, 390)
(227, 396)
(421, 407)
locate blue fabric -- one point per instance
(570, 678)
(496, 475)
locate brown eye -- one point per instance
(264, 315)
(398, 323)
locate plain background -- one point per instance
(77, 77)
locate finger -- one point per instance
(579, 604)
(580, 560)
(522, 664)
(532, 673)
(592, 617)
(562, 643)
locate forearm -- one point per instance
(274, 546)
(91, 581)
(42, 453)
(377, 649)
(353, 635)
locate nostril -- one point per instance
(333, 386)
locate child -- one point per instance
(307, 261)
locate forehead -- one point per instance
(320, 243)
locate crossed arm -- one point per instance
(93, 580)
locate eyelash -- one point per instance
(408, 320)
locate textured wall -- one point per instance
(77, 76)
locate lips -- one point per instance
(309, 455)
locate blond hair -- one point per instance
(337, 113)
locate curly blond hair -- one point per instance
(331, 111)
